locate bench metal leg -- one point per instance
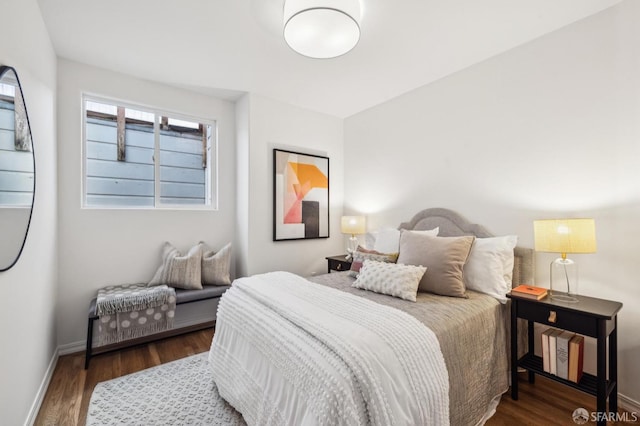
(87, 354)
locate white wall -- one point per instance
(550, 129)
(27, 317)
(101, 247)
(242, 185)
(274, 124)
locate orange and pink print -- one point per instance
(301, 196)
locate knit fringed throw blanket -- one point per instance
(133, 310)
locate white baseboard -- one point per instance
(42, 390)
(73, 347)
(628, 404)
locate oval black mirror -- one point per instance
(17, 169)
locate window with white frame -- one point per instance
(141, 157)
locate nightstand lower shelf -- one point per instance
(588, 383)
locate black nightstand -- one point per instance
(590, 317)
(338, 263)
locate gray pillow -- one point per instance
(215, 266)
(179, 271)
(444, 258)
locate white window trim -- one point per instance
(212, 151)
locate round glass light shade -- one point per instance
(321, 31)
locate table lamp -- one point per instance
(564, 236)
(353, 225)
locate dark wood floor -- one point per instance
(543, 403)
(67, 399)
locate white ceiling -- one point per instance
(237, 45)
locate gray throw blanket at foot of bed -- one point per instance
(133, 310)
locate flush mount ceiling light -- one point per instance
(322, 29)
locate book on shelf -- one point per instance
(529, 292)
(576, 358)
(545, 349)
(552, 350)
(562, 354)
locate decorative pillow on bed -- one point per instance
(489, 268)
(390, 278)
(444, 258)
(215, 266)
(362, 254)
(179, 271)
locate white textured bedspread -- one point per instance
(290, 352)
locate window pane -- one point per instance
(183, 161)
(7, 90)
(103, 108)
(174, 122)
(113, 180)
(138, 158)
(16, 158)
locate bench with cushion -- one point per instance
(182, 297)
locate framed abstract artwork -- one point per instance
(300, 196)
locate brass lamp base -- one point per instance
(353, 245)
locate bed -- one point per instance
(267, 367)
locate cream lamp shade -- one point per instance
(565, 236)
(353, 225)
(322, 29)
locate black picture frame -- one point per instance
(300, 196)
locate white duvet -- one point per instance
(290, 352)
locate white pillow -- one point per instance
(390, 278)
(431, 232)
(387, 240)
(370, 239)
(489, 268)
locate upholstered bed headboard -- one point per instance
(451, 224)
